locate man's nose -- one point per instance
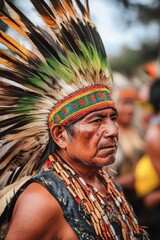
(111, 128)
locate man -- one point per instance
(92, 146)
(61, 124)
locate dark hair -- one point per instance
(50, 148)
(154, 97)
(70, 130)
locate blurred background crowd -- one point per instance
(131, 32)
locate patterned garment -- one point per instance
(79, 220)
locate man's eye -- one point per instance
(114, 119)
(97, 120)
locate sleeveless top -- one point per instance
(79, 221)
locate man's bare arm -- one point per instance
(35, 214)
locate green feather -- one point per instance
(61, 71)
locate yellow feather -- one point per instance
(14, 46)
(12, 24)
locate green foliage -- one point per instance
(129, 61)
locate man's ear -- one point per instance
(59, 135)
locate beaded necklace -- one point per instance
(104, 211)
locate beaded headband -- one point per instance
(79, 104)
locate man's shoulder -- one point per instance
(37, 200)
(39, 194)
(153, 136)
(153, 132)
(35, 212)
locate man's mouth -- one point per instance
(113, 146)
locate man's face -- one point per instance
(94, 141)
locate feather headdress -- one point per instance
(41, 87)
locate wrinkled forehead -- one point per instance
(106, 112)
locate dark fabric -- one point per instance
(79, 220)
(150, 217)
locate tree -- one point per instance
(129, 60)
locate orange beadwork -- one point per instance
(102, 209)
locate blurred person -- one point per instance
(131, 144)
(147, 171)
(144, 112)
(144, 109)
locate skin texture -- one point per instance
(152, 145)
(37, 215)
(153, 150)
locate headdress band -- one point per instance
(79, 104)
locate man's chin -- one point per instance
(110, 160)
(102, 162)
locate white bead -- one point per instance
(82, 181)
(105, 219)
(117, 203)
(135, 220)
(102, 202)
(92, 197)
(112, 229)
(119, 199)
